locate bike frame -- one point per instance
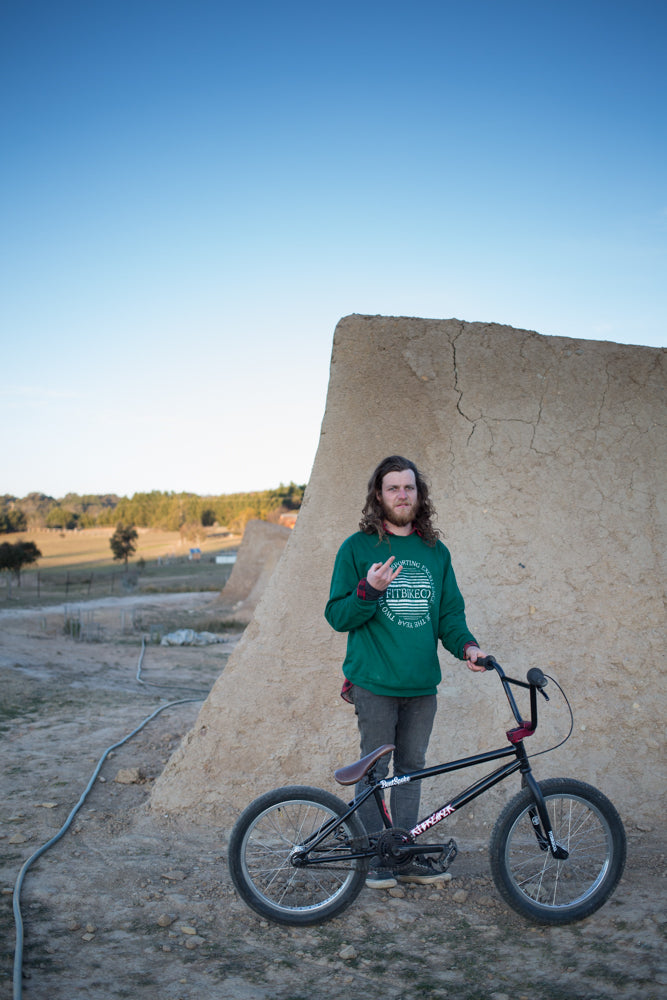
(539, 815)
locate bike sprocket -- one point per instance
(390, 845)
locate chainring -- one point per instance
(388, 847)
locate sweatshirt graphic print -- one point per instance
(406, 602)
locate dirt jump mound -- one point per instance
(546, 460)
(258, 555)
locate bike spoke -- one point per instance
(270, 847)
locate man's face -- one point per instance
(399, 498)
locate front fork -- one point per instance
(539, 817)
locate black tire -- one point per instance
(262, 845)
(536, 884)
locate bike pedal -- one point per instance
(452, 851)
(446, 856)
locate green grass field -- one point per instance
(80, 565)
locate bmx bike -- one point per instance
(299, 855)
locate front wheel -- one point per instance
(265, 851)
(541, 887)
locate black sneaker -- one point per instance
(422, 871)
(380, 878)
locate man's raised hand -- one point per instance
(380, 575)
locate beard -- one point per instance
(401, 516)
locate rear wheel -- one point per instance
(264, 851)
(541, 887)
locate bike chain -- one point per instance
(384, 847)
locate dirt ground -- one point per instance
(129, 904)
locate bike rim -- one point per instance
(547, 882)
(269, 845)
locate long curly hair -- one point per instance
(372, 515)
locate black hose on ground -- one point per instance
(16, 898)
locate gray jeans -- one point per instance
(407, 723)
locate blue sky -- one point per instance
(193, 193)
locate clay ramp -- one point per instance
(260, 550)
(547, 464)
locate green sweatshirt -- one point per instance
(392, 641)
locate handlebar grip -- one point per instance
(536, 677)
(488, 662)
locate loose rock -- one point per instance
(130, 776)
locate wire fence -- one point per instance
(35, 583)
(170, 574)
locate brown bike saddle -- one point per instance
(353, 773)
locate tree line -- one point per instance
(165, 511)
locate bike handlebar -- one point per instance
(536, 682)
(534, 676)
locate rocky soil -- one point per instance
(130, 904)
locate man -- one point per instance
(394, 592)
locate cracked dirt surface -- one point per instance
(133, 904)
(552, 512)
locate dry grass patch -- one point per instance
(78, 565)
(89, 548)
